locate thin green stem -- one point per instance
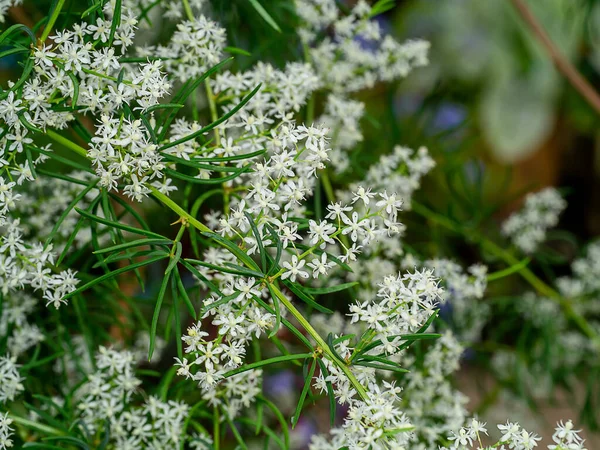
(287, 303)
(52, 20)
(214, 116)
(320, 342)
(178, 209)
(539, 285)
(66, 142)
(188, 10)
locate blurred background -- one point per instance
(499, 120)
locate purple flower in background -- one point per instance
(280, 383)
(303, 432)
(447, 117)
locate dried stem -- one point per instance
(562, 64)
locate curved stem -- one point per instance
(321, 343)
(282, 298)
(52, 20)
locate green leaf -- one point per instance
(509, 270)
(200, 165)
(114, 273)
(176, 313)
(118, 225)
(303, 394)
(159, 301)
(234, 249)
(219, 302)
(115, 22)
(136, 243)
(236, 50)
(184, 295)
(68, 209)
(380, 359)
(330, 289)
(201, 277)
(41, 362)
(75, 232)
(286, 323)
(265, 15)
(216, 123)
(218, 180)
(330, 393)
(277, 312)
(280, 418)
(184, 93)
(279, 244)
(66, 161)
(174, 258)
(235, 270)
(17, 27)
(382, 6)
(129, 256)
(91, 9)
(257, 236)
(236, 433)
(380, 366)
(267, 362)
(231, 158)
(70, 439)
(306, 298)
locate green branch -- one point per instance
(526, 273)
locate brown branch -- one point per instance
(562, 64)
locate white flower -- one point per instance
(294, 269)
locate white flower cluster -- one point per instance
(11, 382)
(25, 264)
(5, 432)
(236, 393)
(404, 303)
(43, 201)
(400, 171)
(514, 437)
(283, 92)
(357, 54)
(585, 280)
(213, 358)
(350, 53)
(527, 228)
(430, 401)
(106, 396)
(463, 293)
(14, 323)
(194, 48)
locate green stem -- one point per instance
(66, 142)
(214, 116)
(200, 226)
(178, 209)
(188, 10)
(52, 20)
(541, 287)
(320, 342)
